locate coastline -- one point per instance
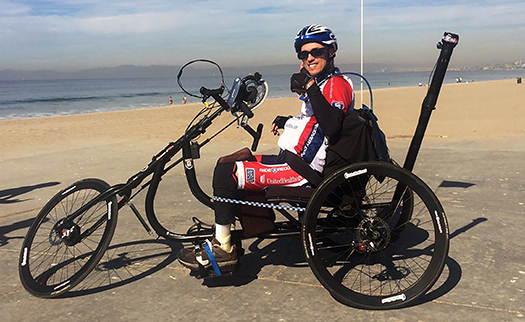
(465, 110)
(29, 99)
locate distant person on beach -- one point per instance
(184, 99)
(327, 97)
(171, 101)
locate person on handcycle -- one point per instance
(327, 97)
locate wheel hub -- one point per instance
(65, 232)
(373, 235)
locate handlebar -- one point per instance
(245, 109)
(211, 92)
(256, 135)
(236, 102)
(249, 114)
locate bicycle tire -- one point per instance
(54, 260)
(367, 253)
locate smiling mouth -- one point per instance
(312, 65)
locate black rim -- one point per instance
(57, 253)
(367, 253)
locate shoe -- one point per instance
(194, 258)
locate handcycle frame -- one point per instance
(373, 233)
(190, 151)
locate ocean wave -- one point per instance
(29, 99)
(66, 99)
(20, 114)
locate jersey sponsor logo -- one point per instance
(275, 170)
(250, 175)
(338, 104)
(283, 181)
(312, 144)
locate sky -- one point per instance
(71, 35)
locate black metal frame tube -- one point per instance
(447, 45)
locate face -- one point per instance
(314, 65)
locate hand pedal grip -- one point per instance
(256, 137)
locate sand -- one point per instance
(463, 111)
(481, 190)
(469, 110)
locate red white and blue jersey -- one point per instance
(302, 134)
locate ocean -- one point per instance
(39, 98)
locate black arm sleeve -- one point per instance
(330, 118)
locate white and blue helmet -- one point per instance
(315, 33)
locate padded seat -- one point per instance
(292, 195)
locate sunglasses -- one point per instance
(316, 52)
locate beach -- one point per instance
(471, 157)
(114, 145)
(487, 113)
(467, 110)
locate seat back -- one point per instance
(360, 139)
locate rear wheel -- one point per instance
(59, 251)
(375, 236)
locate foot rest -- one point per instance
(208, 272)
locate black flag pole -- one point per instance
(446, 45)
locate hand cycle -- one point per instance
(373, 233)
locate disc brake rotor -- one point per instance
(373, 234)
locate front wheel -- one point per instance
(60, 250)
(375, 236)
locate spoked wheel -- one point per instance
(375, 236)
(59, 251)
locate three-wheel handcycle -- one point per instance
(373, 233)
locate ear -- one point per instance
(331, 52)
